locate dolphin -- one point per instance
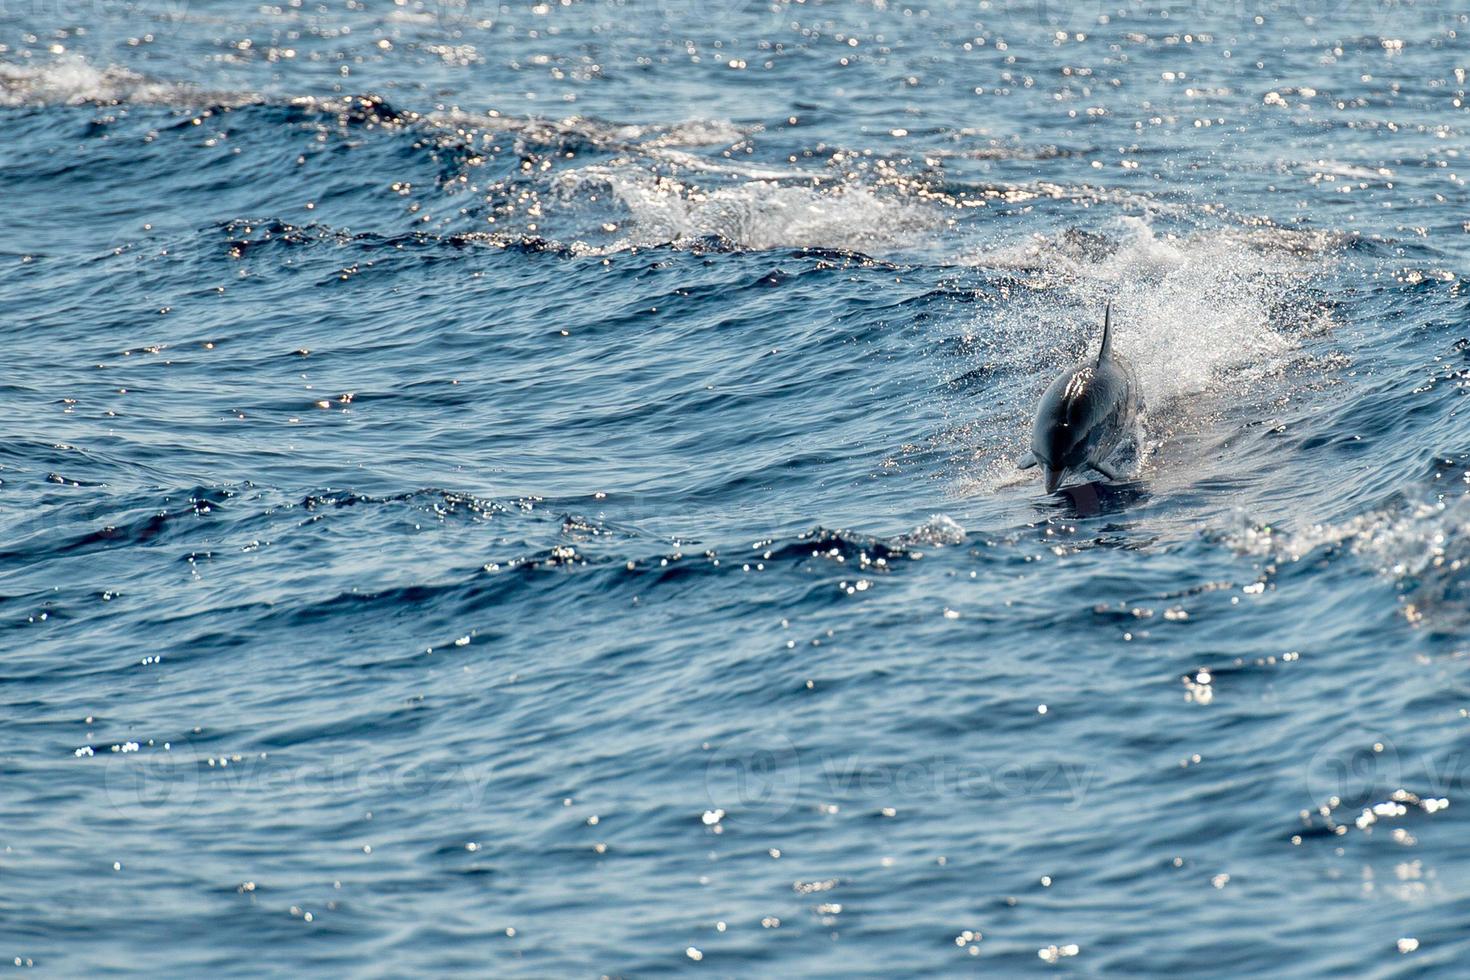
(1085, 414)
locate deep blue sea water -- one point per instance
(530, 489)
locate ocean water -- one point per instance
(530, 489)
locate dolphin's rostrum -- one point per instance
(1085, 414)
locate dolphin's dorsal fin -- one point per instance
(1107, 341)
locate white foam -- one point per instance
(1399, 542)
(939, 530)
(693, 132)
(753, 213)
(1201, 308)
(73, 80)
(1185, 310)
(1337, 168)
(1425, 545)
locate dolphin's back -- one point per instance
(1085, 413)
(1115, 405)
(1087, 410)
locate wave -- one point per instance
(758, 214)
(1423, 548)
(74, 80)
(580, 184)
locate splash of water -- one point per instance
(74, 80)
(751, 213)
(1199, 316)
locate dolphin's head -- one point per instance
(1060, 438)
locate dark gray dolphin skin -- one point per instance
(1085, 414)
